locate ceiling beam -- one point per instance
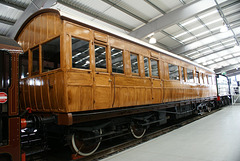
(173, 17)
(204, 41)
(33, 7)
(154, 6)
(95, 15)
(233, 72)
(13, 5)
(7, 21)
(215, 52)
(227, 68)
(125, 11)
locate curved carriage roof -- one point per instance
(10, 45)
(86, 22)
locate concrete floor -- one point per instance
(213, 138)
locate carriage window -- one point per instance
(182, 72)
(201, 77)
(51, 55)
(80, 53)
(117, 60)
(214, 80)
(190, 75)
(146, 66)
(5, 71)
(154, 66)
(35, 61)
(134, 63)
(23, 65)
(205, 79)
(173, 72)
(100, 56)
(197, 77)
(209, 79)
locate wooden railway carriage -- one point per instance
(80, 72)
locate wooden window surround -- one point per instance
(154, 68)
(117, 60)
(100, 57)
(134, 59)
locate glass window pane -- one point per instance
(190, 75)
(117, 60)
(5, 71)
(80, 54)
(51, 55)
(197, 77)
(23, 70)
(146, 67)
(154, 66)
(210, 79)
(35, 61)
(214, 80)
(173, 72)
(134, 63)
(205, 80)
(201, 78)
(182, 71)
(100, 56)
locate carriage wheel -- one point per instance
(88, 147)
(137, 130)
(208, 108)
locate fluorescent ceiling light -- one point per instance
(236, 48)
(152, 40)
(224, 28)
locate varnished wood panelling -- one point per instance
(37, 30)
(40, 29)
(100, 37)
(78, 31)
(52, 91)
(31, 84)
(51, 27)
(102, 91)
(132, 81)
(31, 34)
(38, 93)
(79, 78)
(102, 97)
(74, 98)
(60, 94)
(155, 55)
(45, 93)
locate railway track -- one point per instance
(153, 133)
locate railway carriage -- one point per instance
(96, 83)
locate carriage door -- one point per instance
(157, 88)
(102, 80)
(4, 85)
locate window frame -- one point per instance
(122, 59)
(188, 80)
(96, 68)
(169, 73)
(76, 37)
(148, 60)
(153, 76)
(134, 74)
(182, 74)
(41, 52)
